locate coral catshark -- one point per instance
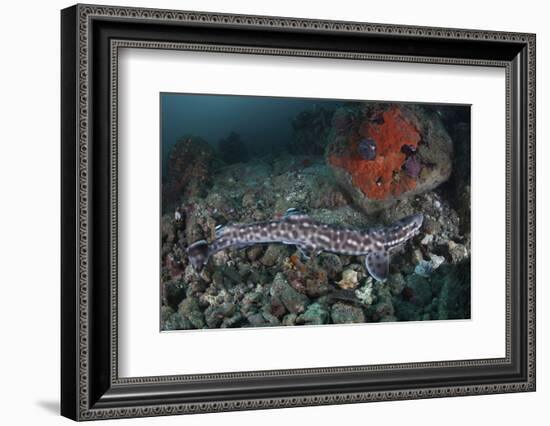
(312, 238)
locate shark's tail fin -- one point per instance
(198, 254)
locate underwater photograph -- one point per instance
(303, 211)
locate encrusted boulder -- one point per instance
(343, 313)
(315, 314)
(190, 310)
(233, 149)
(188, 170)
(293, 301)
(381, 153)
(309, 131)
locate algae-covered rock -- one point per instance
(396, 283)
(173, 293)
(269, 318)
(382, 311)
(272, 255)
(189, 309)
(420, 288)
(344, 313)
(252, 302)
(254, 252)
(314, 315)
(256, 320)
(233, 321)
(332, 264)
(317, 284)
(407, 311)
(294, 301)
(277, 308)
(176, 321)
(454, 297)
(289, 319)
(215, 314)
(231, 276)
(188, 172)
(165, 313)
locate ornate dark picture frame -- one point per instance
(91, 37)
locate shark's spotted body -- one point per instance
(312, 237)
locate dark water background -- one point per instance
(265, 121)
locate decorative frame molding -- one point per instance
(91, 388)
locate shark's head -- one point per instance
(403, 230)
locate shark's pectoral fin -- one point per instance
(378, 264)
(307, 251)
(221, 230)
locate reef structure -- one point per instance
(387, 152)
(309, 131)
(233, 149)
(188, 170)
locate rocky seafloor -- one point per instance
(273, 285)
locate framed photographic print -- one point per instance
(263, 212)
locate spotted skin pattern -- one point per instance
(311, 238)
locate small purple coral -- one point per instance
(367, 149)
(413, 166)
(408, 149)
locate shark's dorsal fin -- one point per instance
(378, 264)
(221, 230)
(294, 214)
